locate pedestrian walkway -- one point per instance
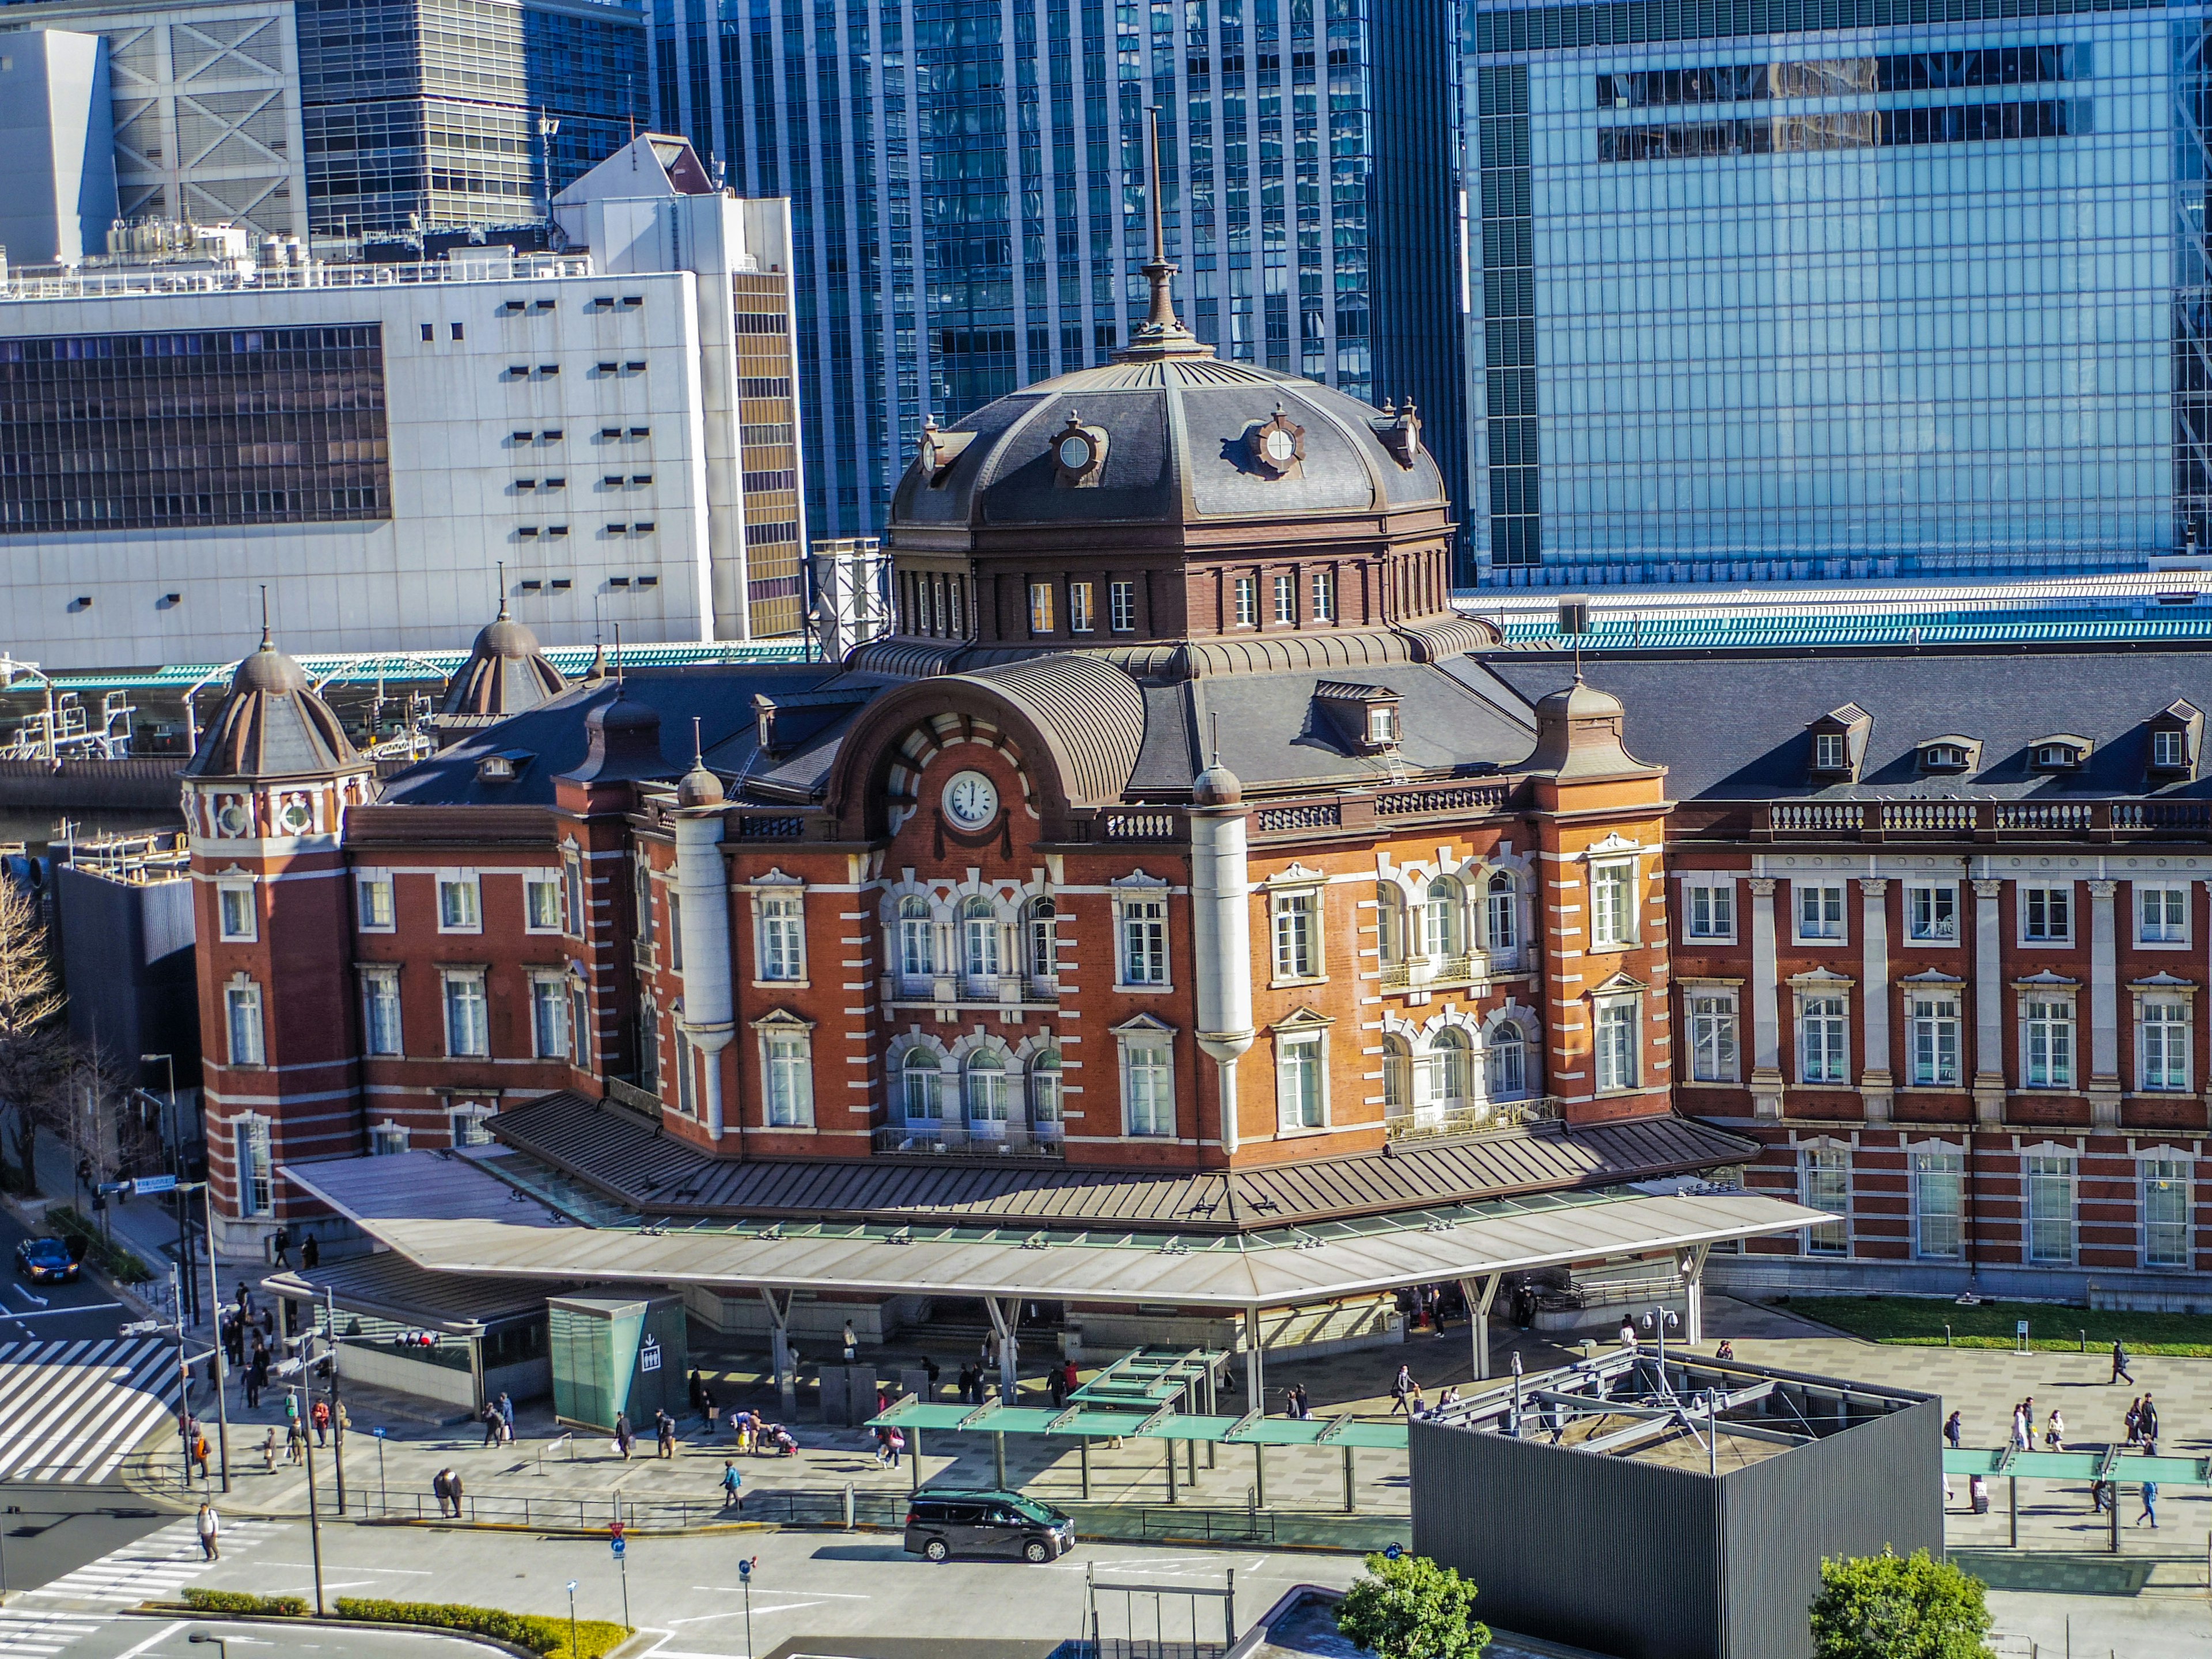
(45, 1621)
(74, 1411)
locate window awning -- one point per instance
(450, 1213)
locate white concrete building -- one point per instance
(373, 442)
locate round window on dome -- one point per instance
(1075, 452)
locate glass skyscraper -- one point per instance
(1777, 289)
(969, 204)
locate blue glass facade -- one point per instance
(1769, 291)
(970, 207)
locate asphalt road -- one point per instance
(50, 1312)
(196, 1638)
(48, 1530)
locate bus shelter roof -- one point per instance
(1088, 1424)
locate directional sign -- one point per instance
(619, 1547)
(109, 1188)
(745, 1568)
(1392, 1552)
(160, 1183)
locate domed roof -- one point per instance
(269, 670)
(506, 673)
(1580, 733)
(271, 724)
(1581, 701)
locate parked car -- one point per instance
(39, 1259)
(943, 1522)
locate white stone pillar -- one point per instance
(1766, 1021)
(1221, 937)
(703, 891)
(2104, 1007)
(1989, 1083)
(1877, 1081)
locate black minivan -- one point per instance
(942, 1522)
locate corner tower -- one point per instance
(265, 804)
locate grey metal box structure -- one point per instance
(1651, 1560)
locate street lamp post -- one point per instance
(383, 1497)
(572, 1619)
(314, 1510)
(337, 1429)
(177, 1162)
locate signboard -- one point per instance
(648, 1354)
(619, 1547)
(160, 1183)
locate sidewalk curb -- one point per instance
(207, 1615)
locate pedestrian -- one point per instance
(2150, 1505)
(1954, 1430)
(1400, 1386)
(453, 1489)
(741, 1430)
(507, 1413)
(2135, 1420)
(666, 1439)
(2101, 1497)
(2054, 1431)
(322, 1417)
(268, 1453)
(1628, 1335)
(280, 1247)
(852, 1344)
(210, 1533)
(898, 1446)
(625, 1437)
(883, 1447)
(256, 1378)
(491, 1425)
(1056, 1387)
(2019, 1427)
(1071, 1376)
(442, 1490)
(1438, 1320)
(311, 1254)
(2147, 1421)
(732, 1498)
(1726, 1351)
(1977, 1494)
(698, 1393)
(713, 1411)
(200, 1450)
(2027, 1417)
(2119, 1365)
(295, 1444)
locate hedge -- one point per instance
(118, 1263)
(550, 1637)
(208, 1601)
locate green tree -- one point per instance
(1892, 1607)
(1411, 1609)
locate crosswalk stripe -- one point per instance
(72, 1411)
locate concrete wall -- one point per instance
(128, 964)
(57, 191)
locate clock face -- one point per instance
(1281, 447)
(1075, 452)
(971, 799)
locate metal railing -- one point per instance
(1876, 819)
(1452, 798)
(1420, 972)
(202, 276)
(961, 1138)
(1476, 1118)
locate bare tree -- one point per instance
(33, 1043)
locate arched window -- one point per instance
(1504, 914)
(979, 928)
(1397, 1077)
(986, 1092)
(648, 1046)
(1509, 1063)
(1044, 1092)
(917, 940)
(1390, 923)
(1042, 917)
(1440, 918)
(1450, 1068)
(919, 1079)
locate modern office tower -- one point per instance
(57, 193)
(1779, 291)
(969, 209)
(204, 96)
(390, 451)
(427, 112)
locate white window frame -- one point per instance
(1080, 617)
(1040, 609)
(544, 888)
(550, 1034)
(983, 951)
(1142, 938)
(1301, 1077)
(687, 1070)
(1938, 1231)
(1941, 896)
(1045, 1092)
(1709, 909)
(1612, 929)
(1444, 1075)
(1932, 1026)
(2167, 1184)
(460, 901)
(387, 1139)
(917, 942)
(238, 913)
(1617, 1068)
(1824, 1035)
(379, 988)
(1040, 943)
(1148, 1084)
(1505, 942)
(1715, 1029)
(1286, 600)
(787, 1063)
(449, 981)
(2050, 1197)
(1295, 931)
(579, 1021)
(1397, 1076)
(2050, 1040)
(572, 892)
(1324, 595)
(780, 935)
(255, 1170)
(641, 881)
(2169, 749)
(375, 910)
(466, 1121)
(1505, 1037)
(922, 1085)
(2038, 901)
(2169, 1016)
(1121, 606)
(1817, 912)
(1824, 1179)
(1832, 751)
(245, 1023)
(1246, 596)
(1443, 919)
(2166, 931)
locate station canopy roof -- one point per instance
(491, 1211)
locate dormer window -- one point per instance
(2169, 750)
(1365, 717)
(1949, 754)
(1382, 725)
(1838, 742)
(2174, 730)
(2061, 753)
(1831, 752)
(503, 766)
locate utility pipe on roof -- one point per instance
(703, 888)
(1221, 932)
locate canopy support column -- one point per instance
(779, 1340)
(1691, 1264)
(1255, 1382)
(1480, 1294)
(1003, 1320)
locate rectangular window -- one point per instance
(256, 1192)
(1297, 935)
(541, 902)
(675, 931)
(1612, 906)
(1931, 913)
(1248, 601)
(2165, 1047)
(242, 1010)
(470, 1126)
(790, 1080)
(2166, 1212)
(1713, 1037)
(1935, 1042)
(1938, 1182)
(1079, 619)
(1298, 1081)
(579, 1028)
(1620, 1032)
(240, 920)
(549, 1017)
(1712, 911)
(687, 1076)
(1825, 1172)
(782, 938)
(465, 1034)
(1122, 606)
(2047, 1062)
(2047, 915)
(1830, 751)
(2162, 915)
(1821, 1040)
(641, 881)
(1148, 1084)
(572, 880)
(372, 902)
(380, 1009)
(1145, 941)
(1324, 596)
(457, 905)
(1819, 911)
(1040, 607)
(1287, 599)
(2049, 1208)
(2169, 750)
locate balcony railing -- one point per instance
(1409, 1128)
(1422, 972)
(1983, 820)
(958, 1137)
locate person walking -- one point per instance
(2120, 1365)
(1400, 1387)
(897, 1446)
(2147, 1423)
(507, 1414)
(2149, 1505)
(732, 1483)
(2135, 1420)
(852, 1344)
(698, 1391)
(322, 1417)
(268, 1453)
(712, 1410)
(664, 1438)
(1954, 1430)
(491, 1424)
(311, 1254)
(453, 1489)
(210, 1530)
(2054, 1431)
(295, 1444)
(931, 1369)
(281, 1246)
(2020, 1432)
(625, 1437)
(256, 1377)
